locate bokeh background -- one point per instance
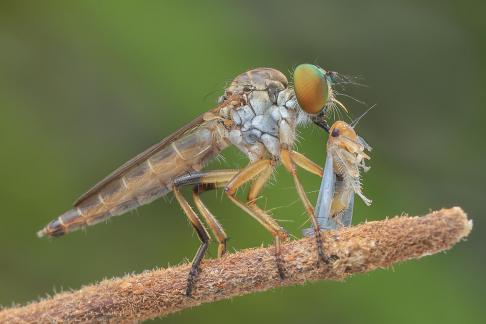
(86, 85)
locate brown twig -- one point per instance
(160, 292)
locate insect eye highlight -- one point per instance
(311, 88)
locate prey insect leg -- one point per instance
(289, 159)
(201, 233)
(261, 170)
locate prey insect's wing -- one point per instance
(324, 199)
(326, 193)
(347, 216)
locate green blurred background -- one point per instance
(86, 85)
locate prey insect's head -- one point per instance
(342, 129)
(313, 90)
(343, 135)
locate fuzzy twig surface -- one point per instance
(160, 292)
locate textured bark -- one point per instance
(160, 292)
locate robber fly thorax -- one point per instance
(264, 116)
(258, 113)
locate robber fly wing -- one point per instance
(324, 199)
(141, 158)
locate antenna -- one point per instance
(356, 121)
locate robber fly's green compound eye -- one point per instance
(311, 87)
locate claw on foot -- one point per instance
(280, 268)
(320, 250)
(190, 281)
(278, 258)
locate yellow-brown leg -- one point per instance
(232, 180)
(305, 163)
(288, 159)
(201, 233)
(208, 181)
(253, 170)
(261, 169)
(258, 184)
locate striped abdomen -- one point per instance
(148, 179)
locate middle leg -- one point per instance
(261, 170)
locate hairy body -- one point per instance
(258, 114)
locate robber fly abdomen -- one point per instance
(148, 179)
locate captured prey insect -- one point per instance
(341, 178)
(258, 113)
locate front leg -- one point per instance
(286, 128)
(305, 163)
(289, 164)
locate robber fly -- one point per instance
(341, 178)
(258, 113)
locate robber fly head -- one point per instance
(313, 89)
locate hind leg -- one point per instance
(201, 233)
(209, 181)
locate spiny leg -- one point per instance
(253, 193)
(211, 220)
(270, 224)
(258, 184)
(288, 159)
(305, 163)
(219, 178)
(201, 233)
(255, 190)
(263, 170)
(208, 181)
(250, 172)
